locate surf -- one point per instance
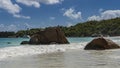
(27, 50)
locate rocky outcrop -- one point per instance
(101, 44)
(52, 35)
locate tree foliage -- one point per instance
(6, 34)
(106, 27)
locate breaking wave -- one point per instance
(27, 50)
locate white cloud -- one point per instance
(108, 14)
(27, 25)
(15, 27)
(1, 25)
(50, 1)
(11, 8)
(69, 25)
(94, 17)
(15, 9)
(10, 27)
(36, 3)
(21, 16)
(72, 14)
(100, 10)
(52, 18)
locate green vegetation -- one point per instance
(105, 27)
(6, 34)
(30, 32)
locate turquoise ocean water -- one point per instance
(7, 42)
(73, 55)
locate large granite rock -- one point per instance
(101, 44)
(52, 35)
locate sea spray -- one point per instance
(27, 50)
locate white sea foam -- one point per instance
(36, 49)
(27, 50)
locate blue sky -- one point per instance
(21, 14)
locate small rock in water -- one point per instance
(24, 42)
(8, 42)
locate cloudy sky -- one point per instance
(21, 14)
